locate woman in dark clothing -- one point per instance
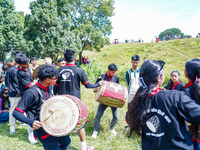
(192, 88)
(159, 115)
(175, 83)
(4, 112)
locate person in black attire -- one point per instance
(175, 83)
(68, 82)
(111, 77)
(31, 103)
(11, 82)
(192, 88)
(160, 115)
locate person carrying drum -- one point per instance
(31, 103)
(160, 115)
(68, 82)
(111, 77)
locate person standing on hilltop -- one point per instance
(132, 79)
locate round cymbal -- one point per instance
(35, 72)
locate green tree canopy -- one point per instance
(47, 30)
(170, 33)
(91, 22)
(11, 29)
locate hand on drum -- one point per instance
(95, 90)
(37, 125)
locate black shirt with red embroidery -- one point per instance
(25, 79)
(69, 80)
(106, 77)
(179, 86)
(31, 103)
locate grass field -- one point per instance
(175, 53)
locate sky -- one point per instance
(134, 19)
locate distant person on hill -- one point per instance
(160, 115)
(192, 89)
(175, 83)
(132, 79)
(4, 112)
(111, 77)
(61, 62)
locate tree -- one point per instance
(91, 22)
(170, 33)
(47, 30)
(11, 29)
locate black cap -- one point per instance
(69, 55)
(60, 59)
(112, 67)
(21, 59)
(135, 57)
(33, 58)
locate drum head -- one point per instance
(36, 71)
(64, 118)
(100, 90)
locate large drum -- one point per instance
(67, 115)
(112, 94)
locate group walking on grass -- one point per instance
(163, 117)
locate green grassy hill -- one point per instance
(175, 53)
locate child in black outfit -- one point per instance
(175, 83)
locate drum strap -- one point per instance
(42, 98)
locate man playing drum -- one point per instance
(68, 82)
(111, 77)
(31, 103)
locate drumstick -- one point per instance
(51, 112)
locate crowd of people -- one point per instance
(159, 116)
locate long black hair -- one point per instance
(169, 85)
(192, 67)
(4, 99)
(149, 73)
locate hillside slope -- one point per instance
(175, 53)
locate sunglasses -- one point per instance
(162, 63)
(5, 93)
(54, 78)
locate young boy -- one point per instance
(111, 77)
(61, 62)
(25, 80)
(31, 103)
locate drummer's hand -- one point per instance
(95, 90)
(37, 125)
(101, 83)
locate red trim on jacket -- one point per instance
(20, 110)
(41, 86)
(85, 83)
(28, 85)
(22, 69)
(126, 121)
(45, 136)
(70, 65)
(56, 84)
(108, 76)
(175, 85)
(154, 92)
(188, 84)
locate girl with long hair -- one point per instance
(192, 88)
(4, 112)
(159, 115)
(175, 83)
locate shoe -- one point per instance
(94, 134)
(12, 129)
(113, 132)
(88, 148)
(32, 140)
